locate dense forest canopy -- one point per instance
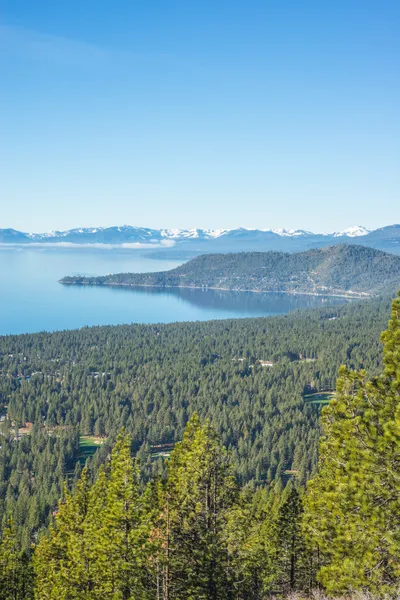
(193, 532)
(152, 378)
(341, 270)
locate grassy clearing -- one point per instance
(319, 397)
(88, 444)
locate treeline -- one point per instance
(342, 269)
(193, 533)
(150, 379)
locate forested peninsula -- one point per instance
(351, 271)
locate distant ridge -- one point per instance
(343, 270)
(201, 241)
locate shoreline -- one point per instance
(349, 296)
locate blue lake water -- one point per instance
(31, 299)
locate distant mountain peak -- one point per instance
(291, 232)
(182, 234)
(194, 241)
(355, 231)
(194, 233)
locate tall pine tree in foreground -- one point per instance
(198, 495)
(60, 559)
(293, 568)
(95, 548)
(16, 573)
(252, 544)
(118, 551)
(353, 504)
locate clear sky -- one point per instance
(189, 113)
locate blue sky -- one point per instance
(199, 113)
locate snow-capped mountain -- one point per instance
(290, 232)
(196, 241)
(355, 231)
(123, 234)
(144, 233)
(179, 234)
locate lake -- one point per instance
(31, 299)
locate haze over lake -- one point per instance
(31, 299)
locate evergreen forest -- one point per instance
(342, 270)
(208, 477)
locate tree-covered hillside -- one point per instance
(193, 532)
(152, 378)
(340, 270)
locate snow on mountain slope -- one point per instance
(290, 232)
(129, 232)
(192, 233)
(355, 231)
(197, 240)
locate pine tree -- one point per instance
(59, 559)
(120, 536)
(198, 496)
(353, 504)
(16, 577)
(96, 547)
(292, 561)
(251, 556)
(155, 548)
(95, 556)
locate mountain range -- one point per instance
(201, 241)
(342, 270)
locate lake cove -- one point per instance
(33, 300)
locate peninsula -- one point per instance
(343, 270)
